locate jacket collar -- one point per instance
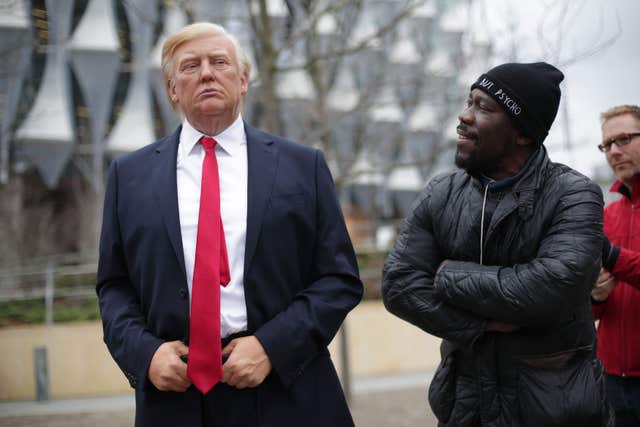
(521, 196)
(165, 189)
(262, 158)
(633, 195)
(528, 178)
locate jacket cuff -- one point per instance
(610, 254)
(612, 258)
(142, 381)
(288, 355)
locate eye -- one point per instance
(220, 63)
(623, 139)
(484, 106)
(189, 66)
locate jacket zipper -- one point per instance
(625, 359)
(484, 204)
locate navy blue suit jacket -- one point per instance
(300, 278)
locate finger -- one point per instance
(597, 295)
(243, 379)
(181, 372)
(184, 384)
(226, 373)
(232, 379)
(180, 386)
(241, 384)
(604, 277)
(182, 348)
(229, 347)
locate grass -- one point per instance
(29, 312)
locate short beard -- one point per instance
(470, 165)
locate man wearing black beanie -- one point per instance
(498, 259)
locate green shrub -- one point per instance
(32, 311)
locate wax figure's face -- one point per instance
(208, 80)
(624, 161)
(485, 136)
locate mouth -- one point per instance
(208, 92)
(621, 164)
(464, 135)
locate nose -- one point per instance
(465, 116)
(207, 71)
(614, 149)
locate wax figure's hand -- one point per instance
(247, 364)
(167, 371)
(495, 326)
(605, 284)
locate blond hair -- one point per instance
(634, 110)
(192, 32)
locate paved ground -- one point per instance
(399, 401)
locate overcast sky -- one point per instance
(608, 78)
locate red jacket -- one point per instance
(619, 327)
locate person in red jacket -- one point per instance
(616, 296)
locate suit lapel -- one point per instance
(262, 157)
(165, 191)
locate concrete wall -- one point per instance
(80, 365)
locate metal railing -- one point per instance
(61, 276)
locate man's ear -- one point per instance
(522, 140)
(172, 91)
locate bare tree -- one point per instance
(551, 36)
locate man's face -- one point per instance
(624, 161)
(208, 79)
(485, 136)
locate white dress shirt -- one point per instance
(231, 154)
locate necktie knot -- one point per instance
(208, 143)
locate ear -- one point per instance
(244, 82)
(172, 91)
(522, 140)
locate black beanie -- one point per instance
(529, 93)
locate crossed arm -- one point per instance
(458, 300)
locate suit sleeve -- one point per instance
(128, 339)
(295, 336)
(407, 281)
(564, 270)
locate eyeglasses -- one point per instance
(620, 141)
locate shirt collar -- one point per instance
(230, 140)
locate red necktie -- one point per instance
(211, 270)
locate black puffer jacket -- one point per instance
(540, 257)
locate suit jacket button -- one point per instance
(183, 293)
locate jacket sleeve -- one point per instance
(598, 308)
(627, 267)
(537, 292)
(407, 281)
(128, 339)
(295, 336)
